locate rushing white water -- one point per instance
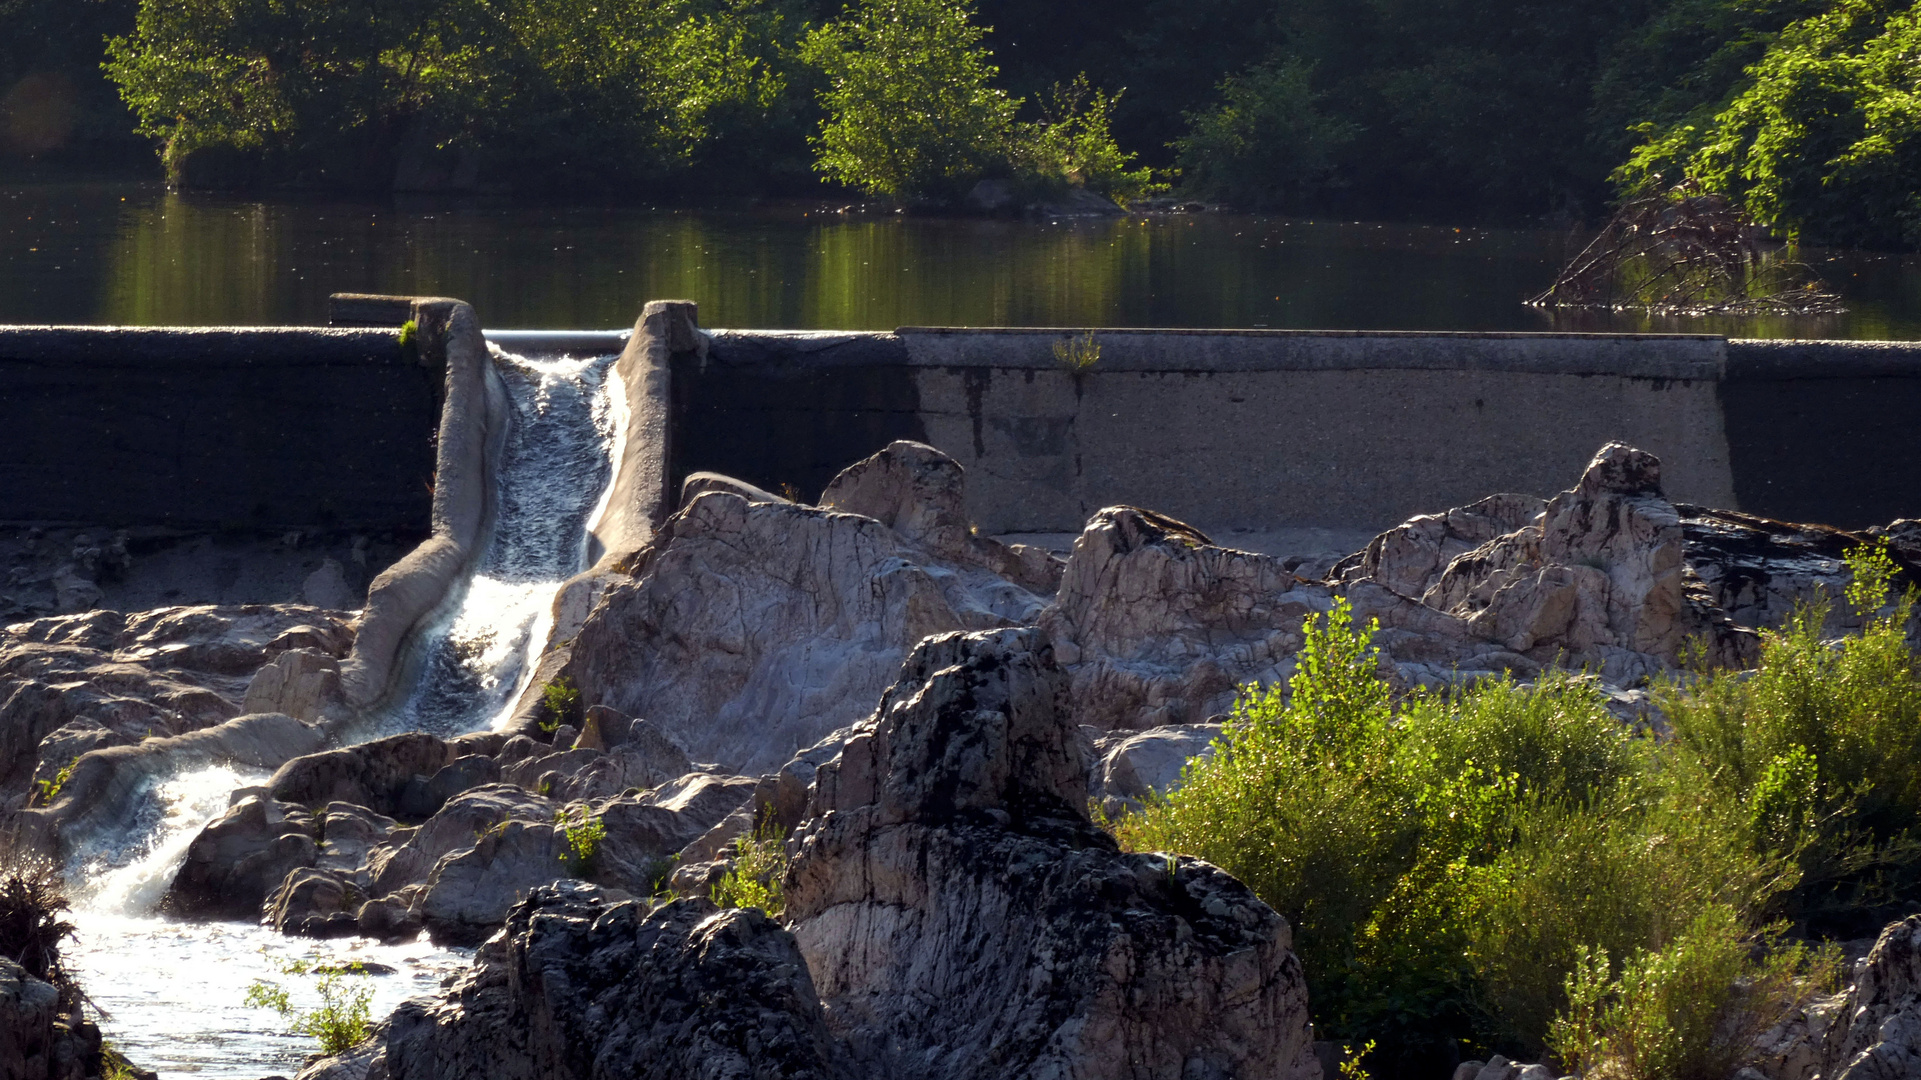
(174, 992)
(553, 472)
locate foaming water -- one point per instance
(554, 470)
(173, 992)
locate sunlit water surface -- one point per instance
(137, 255)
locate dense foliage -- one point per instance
(1821, 135)
(1800, 110)
(1512, 869)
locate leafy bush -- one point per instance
(760, 861)
(324, 91)
(561, 700)
(1691, 1011)
(583, 830)
(1072, 146)
(1466, 864)
(341, 1021)
(1821, 747)
(1266, 142)
(912, 112)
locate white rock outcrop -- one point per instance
(752, 630)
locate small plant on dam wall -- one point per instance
(1078, 354)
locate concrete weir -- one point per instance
(1233, 430)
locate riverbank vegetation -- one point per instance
(1796, 110)
(1512, 869)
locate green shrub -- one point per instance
(911, 109)
(760, 861)
(1822, 135)
(1073, 146)
(561, 701)
(1821, 747)
(341, 1021)
(1693, 1010)
(582, 830)
(45, 791)
(33, 900)
(1444, 859)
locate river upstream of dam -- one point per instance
(174, 992)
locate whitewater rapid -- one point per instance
(173, 992)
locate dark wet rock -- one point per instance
(44, 1033)
(373, 774)
(389, 919)
(461, 775)
(312, 902)
(408, 856)
(962, 918)
(241, 858)
(348, 836)
(582, 984)
(63, 748)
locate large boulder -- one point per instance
(242, 857)
(1158, 625)
(921, 493)
(312, 902)
(754, 629)
(408, 855)
(1129, 767)
(962, 918)
(385, 775)
(303, 683)
(470, 892)
(581, 986)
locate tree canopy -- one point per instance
(1798, 110)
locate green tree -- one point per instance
(911, 109)
(343, 93)
(1268, 141)
(1822, 140)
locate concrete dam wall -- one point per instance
(253, 428)
(1254, 430)
(335, 428)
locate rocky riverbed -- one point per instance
(934, 720)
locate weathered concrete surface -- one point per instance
(1291, 429)
(472, 424)
(1302, 446)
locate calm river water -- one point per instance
(76, 253)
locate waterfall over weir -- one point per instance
(174, 991)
